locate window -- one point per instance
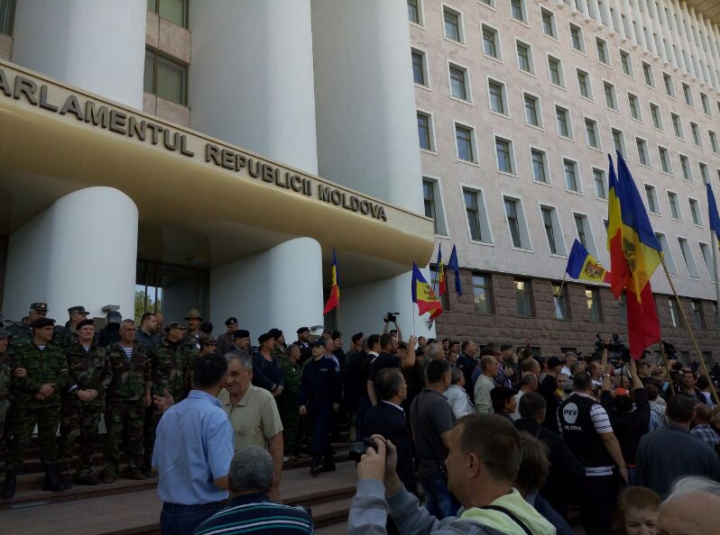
(656, 116)
(7, 14)
(516, 223)
(592, 298)
(496, 90)
(634, 107)
(532, 111)
(517, 10)
(642, 149)
(599, 182)
(602, 51)
(562, 304)
(165, 78)
(489, 3)
(664, 160)
(583, 232)
(571, 175)
(476, 215)
(176, 11)
(651, 196)
(414, 11)
(524, 56)
(425, 131)
(552, 230)
(687, 94)
(610, 100)
(458, 83)
(464, 137)
(669, 86)
(433, 206)
(618, 141)
(674, 205)
(688, 258)
(555, 70)
(695, 212)
(491, 45)
(622, 308)
(648, 74)
(419, 68)
(523, 298)
(704, 173)
(482, 293)
(576, 38)
(707, 257)
(548, 23)
(626, 63)
(714, 142)
(505, 157)
(674, 313)
(698, 315)
(685, 166)
(563, 122)
(705, 104)
(584, 84)
(591, 133)
(695, 129)
(452, 25)
(539, 165)
(669, 261)
(677, 125)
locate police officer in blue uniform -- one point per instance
(320, 391)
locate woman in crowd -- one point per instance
(637, 512)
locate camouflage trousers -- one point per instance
(288, 409)
(78, 434)
(23, 423)
(127, 416)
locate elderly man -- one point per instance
(692, 507)
(250, 508)
(483, 459)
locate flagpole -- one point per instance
(562, 285)
(690, 331)
(667, 367)
(714, 245)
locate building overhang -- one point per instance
(710, 9)
(202, 202)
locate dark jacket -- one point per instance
(629, 427)
(547, 389)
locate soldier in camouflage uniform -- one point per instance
(40, 374)
(128, 395)
(65, 337)
(5, 375)
(82, 403)
(171, 365)
(287, 402)
(21, 333)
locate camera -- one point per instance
(616, 349)
(358, 449)
(391, 317)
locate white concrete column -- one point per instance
(82, 250)
(694, 55)
(594, 11)
(656, 29)
(647, 24)
(676, 35)
(708, 76)
(685, 43)
(605, 17)
(583, 8)
(668, 37)
(712, 46)
(638, 26)
(560, 4)
(251, 80)
(97, 45)
(617, 22)
(281, 287)
(629, 16)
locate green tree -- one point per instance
(141, 306)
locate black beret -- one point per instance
(275, 332)
(265, 337)
(336, 334)
(241, 333)
(356, 337)
(303, 329)
(230, 321)
(83, 323)
(42, 322)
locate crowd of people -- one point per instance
(492, 436)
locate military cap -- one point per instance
(241, 333)
(39, 307)
(503, 347)
(77, 310)
(303, 330)
(275, 332)
(265, 337)
(336, 334)
(356, 337)
(4, 333)
(176, 325)
(194, 314)
(208, 342)
(42, 322)
(83, 323)
(231, 321)
(113, 317)
(500, 393)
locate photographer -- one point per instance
(391, 317)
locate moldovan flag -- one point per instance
(334, 299)
(581, 265)
(712, 208)
(618, 267)
(643, 254)
(424, 295)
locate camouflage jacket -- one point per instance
(5, 376)
(171, 367)
(20, 334)
(65, 337)
(46, 366)
(89, 371)
(130, 377)
(293, 376)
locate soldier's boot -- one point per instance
(316, 466)
(8, 489)
(52, 480)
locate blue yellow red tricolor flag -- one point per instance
(334, 299)
(424, 295)
(641, 253)
(581, 265)
(442, 288)
(712, 208)
(618, 267)
(455, 266)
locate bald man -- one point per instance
(691, 513)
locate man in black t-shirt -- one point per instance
(388, 359)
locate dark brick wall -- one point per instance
(550, 334)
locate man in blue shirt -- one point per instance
(193, 450)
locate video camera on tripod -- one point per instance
(616, 349)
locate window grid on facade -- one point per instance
(688, 258)
(618, 141)
(698, 316)
(548, 22)
(425, 131)
(165, 77)
(458, 83)
(451, 22)
(656, 116)
(634, 104)
(464, 140)
(433, 207)
(651, 196)
(576, 38)
(560, 299)
(669, 261)
(482, 293)
(592, 300)
(539, 165)
(685, 166)
(414, 11)
(591, 133)
(555, 70)
(563, 122)
(599, 182)
(532, 112)
(714, 142)
(584, 84)
(648, 74)
(512, 213)
(674, 313)
(707, 257)
(517, 10)
(626, 63)
(669, 86)
(674, 205)
(7, 15)
(583, 232)
(602, 51)
(695, 130)
(475, 213)
(687, 95)
(503, 149)
(524, 57)
(571, 178)
(642, 150)
(695, 212)
(677, 125)
(490, 42)
(622, 308)
(610, 100)
(551, 233)
(496, 90)
(705, 104)
(523, 298)
(704, 173)
(418, 63)
(176, 11)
